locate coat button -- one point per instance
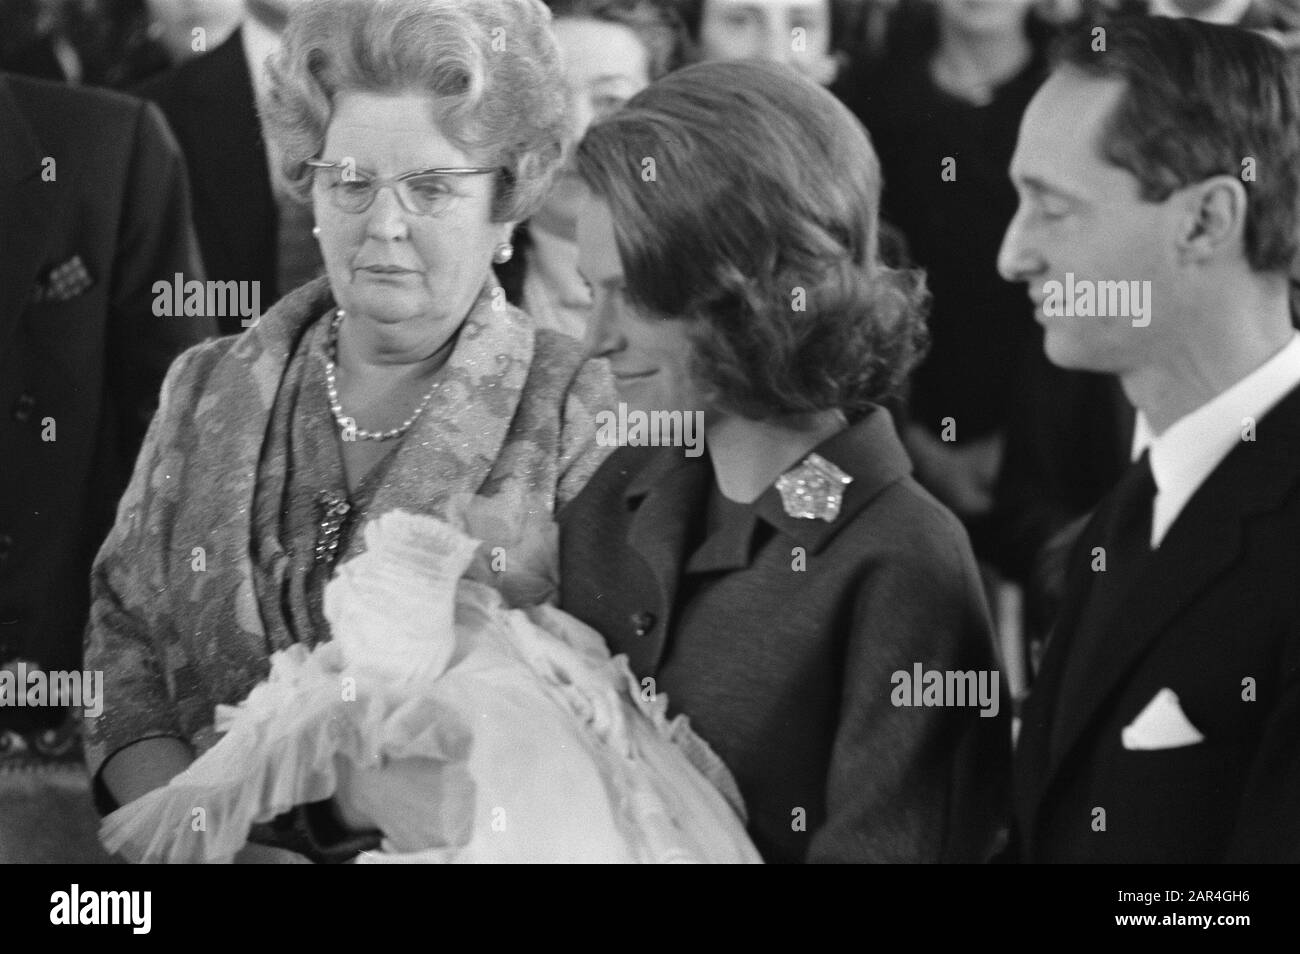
(643, 622)
(22, 412)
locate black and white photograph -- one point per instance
(652, 431)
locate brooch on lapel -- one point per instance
(813, 490)
(63, 282)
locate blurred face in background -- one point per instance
(794, 32)
(172, 23)
(1214, 11)
(985, 16)
(605, 65)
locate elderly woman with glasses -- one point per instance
(421, 132)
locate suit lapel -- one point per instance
(1203, 544)
(23, 211)
(1036, 716)
(1185, 566)
(669, 496)
(1032, 746)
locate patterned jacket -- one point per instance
(517, 418)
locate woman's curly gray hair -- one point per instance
(491, 66)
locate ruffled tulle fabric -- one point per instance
(468, 730)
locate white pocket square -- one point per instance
(1161, 725)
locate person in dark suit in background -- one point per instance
(113, 43)
(93, 212)
(784, 583)
(1162, 724)
(249, 226)
(942, 109)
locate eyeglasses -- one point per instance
(421, 192)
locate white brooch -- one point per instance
(814, 489)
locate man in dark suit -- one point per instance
(1159, 179)
(1070, 432)
(93, 212)
(248, 228)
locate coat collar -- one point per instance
(871, 453)
(24, 206)
(868, 450)
(1253, 480)
(670, 494)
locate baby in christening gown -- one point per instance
(470, 730)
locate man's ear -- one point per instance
(1213, 222)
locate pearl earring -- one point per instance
(315, 231)
(505, 252)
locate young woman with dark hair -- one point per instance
(781, 585)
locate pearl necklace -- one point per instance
(349, 425)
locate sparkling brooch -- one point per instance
(814, 489)
(334, 509)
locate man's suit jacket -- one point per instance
(209, 103)
(79, 376)
(781, 643)
(1213, 615)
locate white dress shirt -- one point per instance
(1185, 454)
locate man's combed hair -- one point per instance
(491, 66)
(1202, 100)
(745, 200)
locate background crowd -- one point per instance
(1019, 449)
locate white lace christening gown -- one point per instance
(470, 732)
